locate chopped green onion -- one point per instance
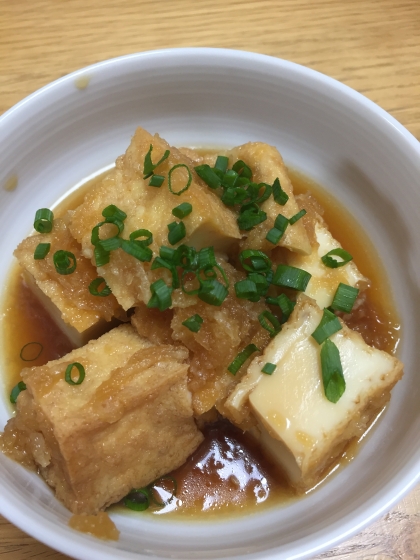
(242, 169)
(136, 250)
(101, 256)
(94, 287)
(177, 232)
(291, 277)
(110, 244)
(208, 175)
(297, 217)
(162, 263)
(332, 371)
(276, 233)
(251, 217)
(138, 499)
(193, 291)
(241, 358)
(262, 283)
(279, 195)
(41, 251)
(16, 391)
(189, 180)
(229, 179)
(212, 292)
(161, 295)
(329, 261)
(149, 166)
(193, 323)
(112, 213)
(246, 289)
(156, 180)
(222, 163)
(259, 261)
(206, 257)
(182, 210)
(286, 305)
(269, 368)
(344, 298)
(265, 318)
(168, 254)
(95, 239)
(134, 236)
(43, 222)
(64, 262)
(68, 377)
(265, 195)
(234, 195)
(31, 351)
(186, 257)
(328, 325)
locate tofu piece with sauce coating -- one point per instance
(324, 280)
(210, 223)
(129, 421)
(267, 164)
(296, 424)
(73, 308)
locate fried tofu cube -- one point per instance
(66, 297)
(210, 223)
(226, 330)
(129, 421)
(267, 164)
(324, 281)
(297, 426)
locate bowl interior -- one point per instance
(209, 97)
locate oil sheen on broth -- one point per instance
(227, 474)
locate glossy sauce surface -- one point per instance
(227, 474)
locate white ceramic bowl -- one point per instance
(61, 134)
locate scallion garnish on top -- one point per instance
(156, 180)
(344, 298)
(177, 232)
(161, 295)
(269, 368)
(43, 222)
(41, 251)
(241, 358)
(189, 178)
(279, 195)
(16, 391)
(182, 210)
(96, 284)
(193, 323)
(297, 217)
(269, 322)
(291, 277)
(331, 262)
(68, 374)
(64, 262)
(328, 325)
(332, 371)
(149, 166)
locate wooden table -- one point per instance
(370, 45)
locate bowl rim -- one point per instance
(41, 528)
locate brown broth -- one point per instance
(227, 474)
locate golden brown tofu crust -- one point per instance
(267, 165)
(210, 222)
(69, 293)
(128, 423)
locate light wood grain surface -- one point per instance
(370, 45)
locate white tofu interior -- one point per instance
(297, 425)
(324, 282)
